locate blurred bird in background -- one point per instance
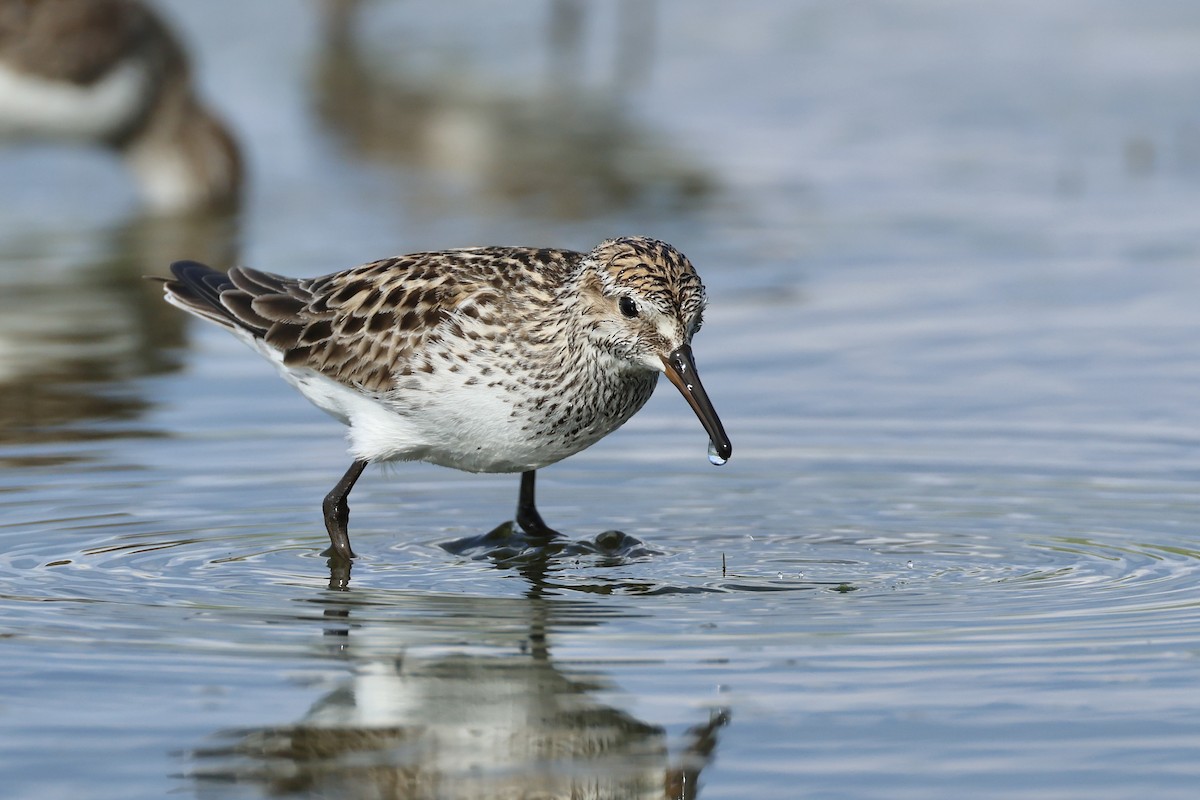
(111, 73)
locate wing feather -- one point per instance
(367, 325)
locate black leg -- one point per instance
(527, 514)
(337, 513)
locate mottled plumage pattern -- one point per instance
(494, 359)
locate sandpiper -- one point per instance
(110, 72)
(489, 359)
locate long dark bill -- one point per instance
(681, 370)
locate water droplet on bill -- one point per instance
(713, 458)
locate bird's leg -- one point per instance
(337, 513)
(527, 514)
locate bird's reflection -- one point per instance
(465, 703)
(78, 323)
(567, 149)
(534, 558)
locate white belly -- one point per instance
(447, 421)
(467, 429)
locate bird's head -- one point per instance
(643, 303)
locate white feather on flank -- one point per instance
(35, 106)
(469, 431)
(376, 434)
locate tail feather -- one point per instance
(243, 300)
(197, 289)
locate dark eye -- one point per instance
(628, 307)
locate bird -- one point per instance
(112, 73)
(484, 359)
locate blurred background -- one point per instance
(953, 260)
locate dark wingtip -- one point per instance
(187, 271)
(197, 288)
(182, 271)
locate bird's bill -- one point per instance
(681, 371)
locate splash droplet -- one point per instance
(713, 458)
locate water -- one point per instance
(952, 261)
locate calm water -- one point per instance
(954, 267)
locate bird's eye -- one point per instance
(628, 307)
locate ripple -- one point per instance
(1065, 556)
